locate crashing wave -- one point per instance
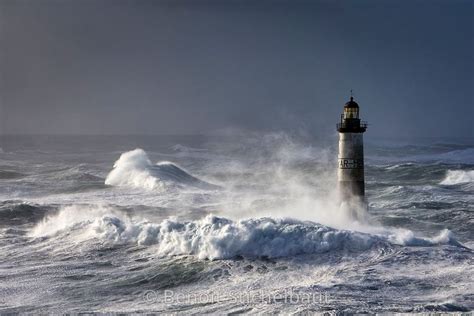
(454, 177)
(405, 237)
(134, 169)
(220, 238)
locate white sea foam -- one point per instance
(220, 238)
(405, 237)
(70, 217)
(211, 237)
(458, 176)
(134, 169)
(393, 167)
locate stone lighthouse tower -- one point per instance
(351, 152)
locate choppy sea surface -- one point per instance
(250, 223)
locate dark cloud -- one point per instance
(174, 67)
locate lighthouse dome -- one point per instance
(351, 104)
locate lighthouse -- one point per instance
(351, 152)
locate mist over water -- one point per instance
(96, 222)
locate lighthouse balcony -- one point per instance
(352, 126)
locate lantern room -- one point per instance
(350, 121)
(351, 110)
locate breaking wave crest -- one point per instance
(134, 169)
(454, 177)
(220, 238)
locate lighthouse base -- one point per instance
(355, 208)
(353, 202)
(352, 189)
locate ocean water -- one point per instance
(249, 223)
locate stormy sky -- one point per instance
(197, 66)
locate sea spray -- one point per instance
(303, 198)
(116, 242)
(454, 177)
(133, 169)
